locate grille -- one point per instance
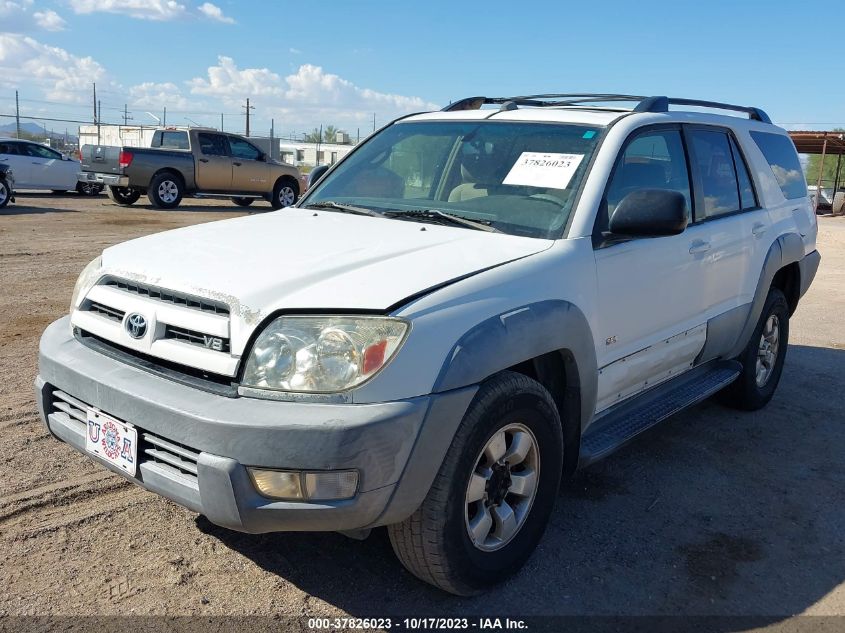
(199, 339)
(112, 314)
(152, 448)
(168, 296)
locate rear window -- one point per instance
(783, 159)
(171, 140)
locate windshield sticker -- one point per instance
(536, 169)
(589, 134)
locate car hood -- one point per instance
(305, 259)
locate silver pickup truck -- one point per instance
(196, 162)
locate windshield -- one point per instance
(518, 178)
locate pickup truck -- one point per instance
(197, 162)
(471, 305)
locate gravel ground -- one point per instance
(715, 512)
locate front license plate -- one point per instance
(112, 440)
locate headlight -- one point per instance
(87, 278)
(322, 354)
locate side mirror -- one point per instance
(316, 174)
(650, 213)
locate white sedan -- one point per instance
(37, 166)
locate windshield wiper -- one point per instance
(343, 208)
(437, 214)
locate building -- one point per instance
(304, 154)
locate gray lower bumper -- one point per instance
(808, 266)
(397, 447)
(112, 180)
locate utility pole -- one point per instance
(95, 102)
(374, 121)
(248, 108)
(272, 130)
(164, 117)
(98, 114)
(126, 117)
(221, 121)
(17, 115)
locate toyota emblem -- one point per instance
(136, 325)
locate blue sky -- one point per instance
(304, 64)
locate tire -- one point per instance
(122, 195)
(5, 193)
(751, 390)
(88, 189)
(285, 193)
(434, 543)
(243, 202)
(165, 191)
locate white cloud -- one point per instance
(294, 51)
(160, 10)
(16, 16)
(156, 95)
(309, 95)
(49, 20)
(213, 12)
(62, 76)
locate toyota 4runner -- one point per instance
(470, 305)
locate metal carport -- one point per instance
(826, 144)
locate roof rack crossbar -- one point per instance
(644, 104)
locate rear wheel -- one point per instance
(243, 202)
(492, 497)
(5, 193)
(122, 195)
(165, 191)
(285, 193)
(763, 357)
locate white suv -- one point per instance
(471, 304)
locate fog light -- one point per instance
(337, 484)
(331, 485)
(277, 483)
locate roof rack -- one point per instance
(644, 104)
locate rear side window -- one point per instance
(213, 144)
(9, 148)
(714, 164)
(746, 191)
(783, 159)
(172, 140)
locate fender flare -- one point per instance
(521, 334)
(786, 249)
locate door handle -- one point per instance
(699, 246)
(758, 229)
(237, 164)
(203, 160)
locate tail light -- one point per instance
(125, 159)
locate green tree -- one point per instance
(313, 136)
(829, 174)
(330, 134)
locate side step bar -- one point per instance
(623, 422)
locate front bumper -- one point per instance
(111, 180)
(397, 447)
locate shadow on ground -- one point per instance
(716, 512)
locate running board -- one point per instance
(625, 421)
(226, 196)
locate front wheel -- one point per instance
(285, 193)
(763, 357)
(165, 191)
(493, 495)
(123, 196)
(88, 188)
(5, 193)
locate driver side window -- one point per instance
(653, 160)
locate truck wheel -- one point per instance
(122, 195)
(492, 497)
(5, 193)
(165, 191)
(762, 360)
(88, 189)
(285, 193)
(243, 202)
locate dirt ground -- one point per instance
(715, 512)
